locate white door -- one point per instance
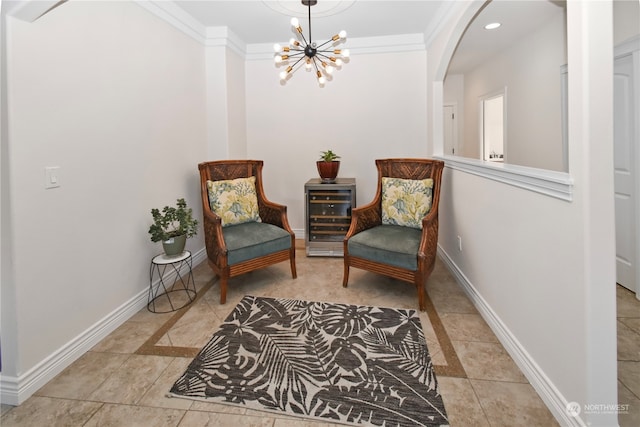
(624, 170)
(450, 130)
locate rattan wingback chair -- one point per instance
(404, 253)
(237, 249)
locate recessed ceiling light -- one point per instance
(492, 26)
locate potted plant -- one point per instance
(172, 226)
(328, 166)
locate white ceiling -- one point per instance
(268, 21)
(257, 21)
(518, 19)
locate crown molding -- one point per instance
(223, 36)
(443, 15)
(627, 47)
(169, 12)
(29, 10)
(357, 46)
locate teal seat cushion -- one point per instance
(387, 244)
(254, 239)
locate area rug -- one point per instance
(338, 363)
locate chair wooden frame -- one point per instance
(370, 215)
(270, 212)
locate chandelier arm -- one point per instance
(328, 54)
(296, 63)
(318, 72)
(304, 38)
(323, 55)
(315, 63)
(293, 67)
(294, 55)
(291, 70)
(328, 41)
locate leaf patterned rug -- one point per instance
(338, 363)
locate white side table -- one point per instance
(182, 284)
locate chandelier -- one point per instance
(323, 58)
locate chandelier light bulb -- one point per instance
(284, 74)
(338, 62)
(277, 47)
(294, 22)
(345, 53)
(308, 64)
(327, 69)
(342, 34)
(294, 42)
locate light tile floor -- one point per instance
(111, 385)
(628, 308)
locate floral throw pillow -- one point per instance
(234, 200)
(405, 201)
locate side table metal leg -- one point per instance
(180, 277)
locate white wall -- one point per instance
(226, 115)
(237, 106)
(217, 94)
(542, 269)
(8, 332)
(626, 15)
(114, 97)
(530, 71)
(373, 108)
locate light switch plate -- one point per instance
(51, 177)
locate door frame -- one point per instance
(454, 134)
(502, 92)
(632, 47)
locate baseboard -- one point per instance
(15, 390)
(548, 392)
(299, 232)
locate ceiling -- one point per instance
(518, 18)
(264, 21)
(268, 21)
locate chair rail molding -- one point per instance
(543, 181)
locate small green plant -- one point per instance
(173, 222)
(328, 156)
